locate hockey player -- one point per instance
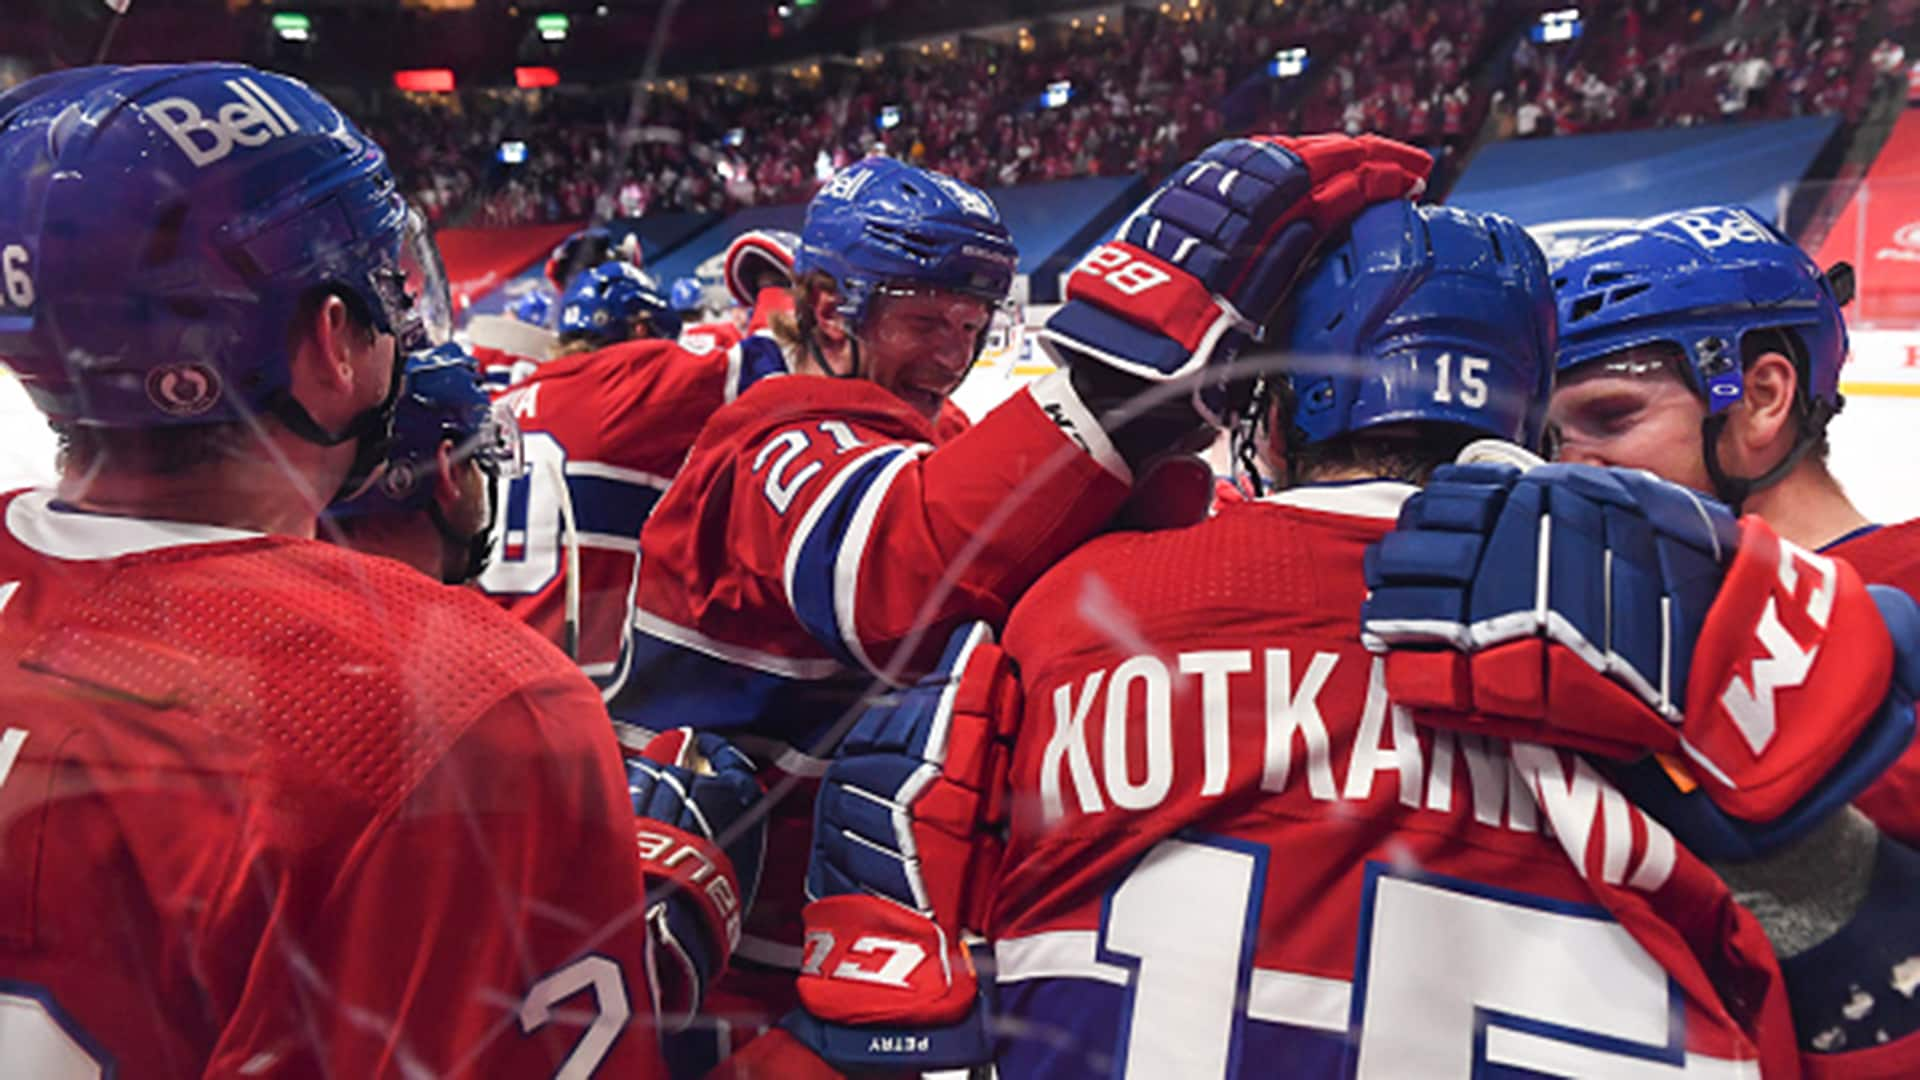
(1705, 347)
(432, 505)
(613, 302)
(823, 534)
(271, 806)
(1231, 847)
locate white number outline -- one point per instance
(1492, 1038)
(1473, 382)
(1126, 274)
(13, 272)
(1108, 950)
(1486, 1019)
(612, 1010)
(43, 1017)
(542, 549)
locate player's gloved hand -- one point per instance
(759, 259)
(1204, 263)
(905, 844)
(700, 852)
(1611, 612)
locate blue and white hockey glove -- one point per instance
(1605, 610)
(701, 854)
(1203, 264)
(905, 844)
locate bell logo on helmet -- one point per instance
(255, 119)
(846, 183)
(1733, 227)
(183, 389)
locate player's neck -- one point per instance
(279, 488)
(407, 538)
(1807, 507)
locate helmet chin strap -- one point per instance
(372, 429)
(476, 550)
(1735, 490)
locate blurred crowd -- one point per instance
(1142, 90)
(1668, 63)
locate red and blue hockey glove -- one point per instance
(1204, 263)
(701, 853)
(759, 259)
(1608, 611)
(905, 844)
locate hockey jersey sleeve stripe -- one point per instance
(689, 688)
(636, 477)
(611, 507)
(823, 559)
(755, 358)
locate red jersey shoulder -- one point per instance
(1889, 555)
(773, 403)
(1273, 569)
(362, 668)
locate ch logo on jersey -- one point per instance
(183, 389)
(1808, 585)
(253, 118)
(1715, 231)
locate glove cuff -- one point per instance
(674, 862)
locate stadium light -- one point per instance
(889, 118)
(552, 26)
(533, 78)
(425, 80)
(1058, 94)
(292, 26)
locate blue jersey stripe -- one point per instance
(815, 586)
(601, 505)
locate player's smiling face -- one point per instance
(920, 344)
(1632, 409)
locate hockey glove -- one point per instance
(1203, 264)
(759, 259)
(700, 853)
(905, 847)
(1608, 611)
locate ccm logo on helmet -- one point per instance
(1736, 227)
(255, 119)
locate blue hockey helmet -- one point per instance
(1424, 313)
(688, 294)
(442, 398)
(535, 308)
(883, 223)
(161, 226)
(1702, 280)
(605, 304)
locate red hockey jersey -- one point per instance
(269, 807)
(1231, 855)
(816, 538)
(603, 434)
(1890, 555)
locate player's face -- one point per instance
(1632, 409)
(919, 345)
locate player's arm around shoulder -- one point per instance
(487, 921)
(835, 497)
